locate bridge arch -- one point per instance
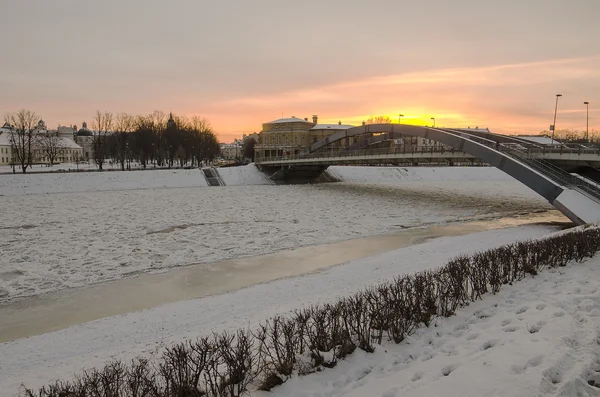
(462, 141)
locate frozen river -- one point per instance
(50, 242)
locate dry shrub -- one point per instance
(227, 364)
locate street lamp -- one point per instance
(587, 121)
(433, 118)
(554, 125)
(399, 117)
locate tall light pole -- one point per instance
(554, 125)
(587, 121)
(433, 118)
(399, 117)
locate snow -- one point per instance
(581, 205)
(85, 228)
(4, 137)
(18, 184)
(544, 140)
(539, 337)
(288, 120)
(43, 358)
(67, 143)
(243, 176)
(331, 127)
(96, 233)
(431, 174)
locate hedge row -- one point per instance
(229, 364)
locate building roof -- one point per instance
(68, 143)
(289, 120)
(65, 143)
(85, 132)
(4, 137)
(331, 127)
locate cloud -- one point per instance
(512, 97)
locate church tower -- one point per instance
(170, 122)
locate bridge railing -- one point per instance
(360, 153)
(555, 173)
(528, 154)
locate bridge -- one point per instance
(540, 167)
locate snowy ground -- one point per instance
(243, 176)
(40, 359)
(100, 231)
(539, 337)
(18, 185)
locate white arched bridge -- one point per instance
(537, 166)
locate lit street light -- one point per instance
(433, 118)
(587, 121)
(555, 109)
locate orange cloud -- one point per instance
(512, 98)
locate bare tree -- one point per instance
(51, 145)
(248, 148)
(22, 136)
(102, 126)
(379, 120)
(124, 125)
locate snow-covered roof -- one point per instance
(4, 137)
(543, 140)
(288, 120)
(68, 143)
(331, 127)
(64, 142)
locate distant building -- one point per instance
(85, 138)
(292, 136)
(66, 149)
(231, 151)
(5, 146)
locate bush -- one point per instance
(227, 364)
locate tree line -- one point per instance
(152, 139)
(574, 136)
(121, 138)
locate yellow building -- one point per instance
(292, 136)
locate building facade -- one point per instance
(292, 136)
(5, 146)
(60, 141)
(231, 151)
(84, 137)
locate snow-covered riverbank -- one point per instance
(40, 359)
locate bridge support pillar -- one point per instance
(294, 173)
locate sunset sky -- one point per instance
(239, 63)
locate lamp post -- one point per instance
(433, 118)
(587, 121)
(554, 125)
(399, 117)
